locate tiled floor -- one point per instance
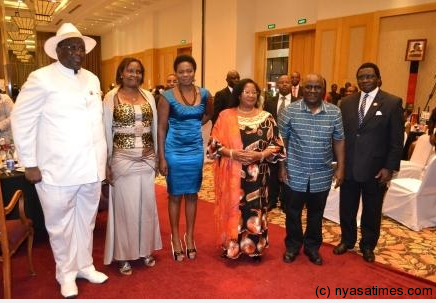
(399, 247)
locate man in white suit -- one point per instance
(58, 129)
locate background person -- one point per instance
(182, 110)
(296, 89)
(431, 127)
(223, 98)
(6, 106)
(58, 130)
(243, 141)
(275, 105)
(131, 132)
(374, 128)
(171, 81)
(308, 127)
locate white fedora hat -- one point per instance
(67, 30)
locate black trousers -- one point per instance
(315, 204)
(372, 193)
(275, 187)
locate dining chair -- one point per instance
(419, 159)
(13, 232)
(411, 201)
(331, 210)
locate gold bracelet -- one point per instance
(231, 154)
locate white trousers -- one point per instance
(69, 213)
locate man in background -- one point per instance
(275, 105)
(57, 123)
(223, 98)
(296, 89)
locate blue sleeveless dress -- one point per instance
(184, 145)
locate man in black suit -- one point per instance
(223, 97)
(373, 126)
(276, 188)
(296, 89)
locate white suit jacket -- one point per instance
(57, 125)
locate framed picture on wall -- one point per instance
(415, 50)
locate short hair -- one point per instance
(370, 65)
(239, 88)
(184, 58)
(123, 64)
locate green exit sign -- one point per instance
(271, 26)
(183, 41)
(302, 21)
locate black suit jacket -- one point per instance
(299, 92)
(221, 101)
(270, 105)
(378, 142)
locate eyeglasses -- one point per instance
(246, 92)
(366, 77)
(73, 48)
(310, 87)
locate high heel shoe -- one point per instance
(191, 253)
(177, 255)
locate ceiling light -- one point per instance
(25, 25)
(44, 10)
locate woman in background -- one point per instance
(131, 131)
(182, 111)
(243, 140)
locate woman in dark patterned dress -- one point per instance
(243, 141)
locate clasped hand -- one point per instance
(246, 156)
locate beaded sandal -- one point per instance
(125, 268)
(149, 261)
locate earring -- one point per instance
(121, 77)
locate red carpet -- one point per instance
(209, 276)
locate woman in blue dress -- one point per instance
(182, 111)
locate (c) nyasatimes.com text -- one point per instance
(325, 291)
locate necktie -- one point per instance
(362, 109)
(294, 91)
(282, 106)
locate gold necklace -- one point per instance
(184, 99)
(131, 99)
(245, 111)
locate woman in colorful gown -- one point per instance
(182, 111)
(243, 141)
(131, 131)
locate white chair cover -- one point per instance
(418, 161)
(331, 211)
(412, 202)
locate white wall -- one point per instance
(394, 33)
(166, 27)
(339, 8)
(220, 42)
(283, 13)
(230, 26)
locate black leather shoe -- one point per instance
(289, 256)
(314, 257)
(341, 249)
(368, 255)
